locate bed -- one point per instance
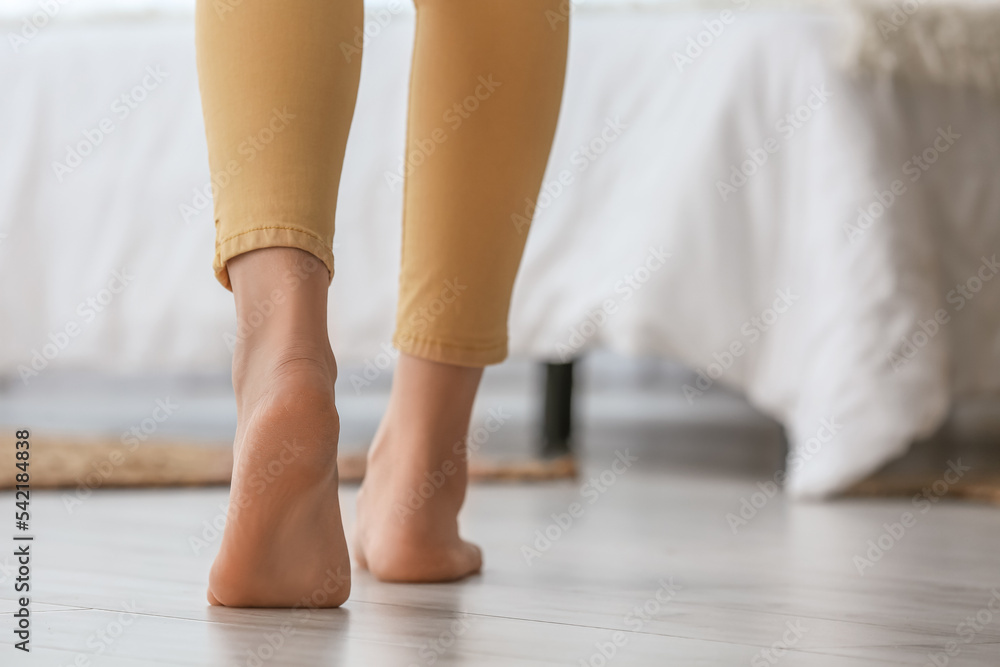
(725, 190)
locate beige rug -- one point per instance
(71, 462)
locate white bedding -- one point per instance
(822, 367)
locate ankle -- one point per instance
(256, 273)
(281, 311)
(279, 288)
(430, 398)
(399, 445)
(427, 420)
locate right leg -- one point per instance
(278, 97)
(486, 87)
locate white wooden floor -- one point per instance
(117, 582)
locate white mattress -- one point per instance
(824, 361)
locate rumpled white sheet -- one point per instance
(670, 136)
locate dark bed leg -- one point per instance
(557, 415)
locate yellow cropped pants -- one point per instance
(279, 80)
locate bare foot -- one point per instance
(414, 486)
(284, 544)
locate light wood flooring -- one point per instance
(117, 582)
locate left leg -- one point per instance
(278, 98)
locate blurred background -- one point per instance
(766, 239)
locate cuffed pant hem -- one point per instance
(278, 236)
(450, 353)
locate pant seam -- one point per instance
(499, 343)
(472, 356)
(261, 229)
(302, 239)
